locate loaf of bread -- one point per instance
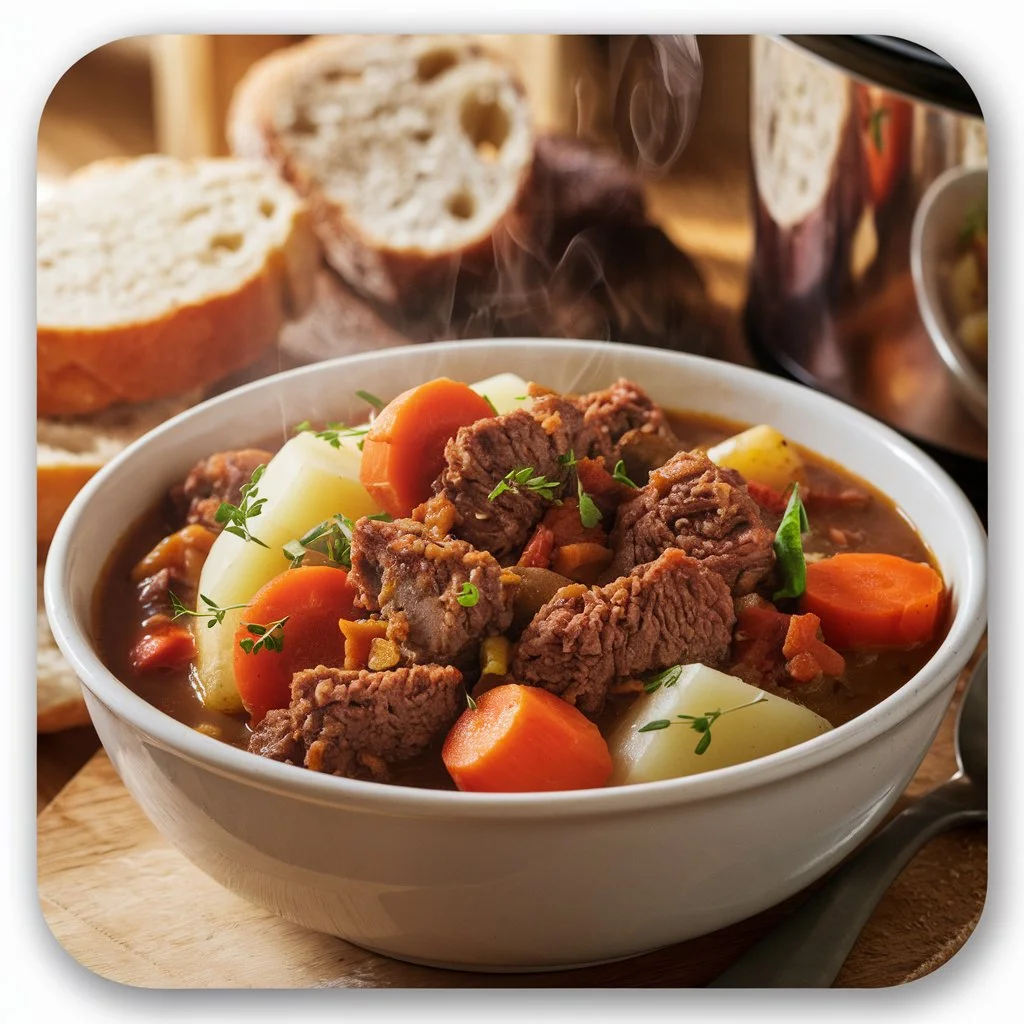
(411, 151)
(157, 276)
(70, 449)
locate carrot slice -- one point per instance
(806, 655)
(522, 739)
(583, 561)
(403, 453)
(165, 647)
(866, 599)
(313, 599)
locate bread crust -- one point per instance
(83, 370)
(409, 278)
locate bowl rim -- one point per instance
(972, 385)
(167, 732)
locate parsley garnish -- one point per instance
(522, 479)
(789, 552)
(332, 538)
(468, 595)
(701, 723)
(271, 636)
(214, 610)
(619, 475)
(373, 400)
(494, 408)
(247, 508)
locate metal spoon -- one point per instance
(808, 949)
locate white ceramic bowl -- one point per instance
(937, 224)
(515, 881)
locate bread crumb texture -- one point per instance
(156, 276)
(421, 143)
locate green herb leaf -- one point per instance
(522, 478)
(331, 538)
(619, 475)
(701, 723)
(334, 432)
(468, 595)
(494, 408)
(658, 723)
(215, 611)
(667, 677)
(470, 703)
(248, 507)
(789, 552)
(373, 400)
(590, 514)
(271, 636)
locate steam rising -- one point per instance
(656, 84)
(577, 258)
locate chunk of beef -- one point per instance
(414, 580)
(153, 593)
(483, 453)
(215, 480)
(347, 723)
(692, 504)
(622, 411)
(671, 611)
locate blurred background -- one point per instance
(789, 218)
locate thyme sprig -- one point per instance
(701, 723)
(248, 507)
(214, 610)
(334, 432)
(523, 478)
(270, 636)
(332, 538)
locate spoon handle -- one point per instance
(808, 949)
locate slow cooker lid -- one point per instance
(896, 64)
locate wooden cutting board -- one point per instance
(129, 907)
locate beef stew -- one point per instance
(582, 546)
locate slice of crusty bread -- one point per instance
(157, 276)
(59, 701)
(70, 449)
(411, 149)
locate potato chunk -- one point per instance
(750, 731)
(763, 455)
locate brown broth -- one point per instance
(869, 678)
